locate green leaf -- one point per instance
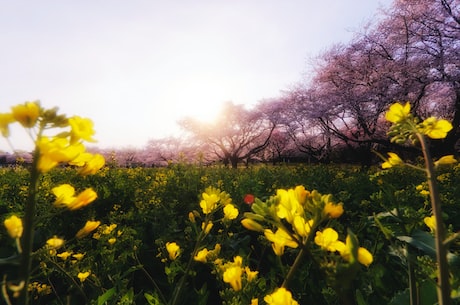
(359, 298)
(152, 299)
(103, 298)
(424, 241)
(401, 298)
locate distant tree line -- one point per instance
(410, 53)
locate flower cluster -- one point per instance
(406, 127)
(57, 140)
(294, 213)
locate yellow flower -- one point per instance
(201, 256)
(301, 226)
(209, 202)
(364, 256)
(230, 212)
(345, 250)
(89, 163)
(251, 275)
(64, 255)
(252, 225)
(78, 256)
(13, 225)
(281, 296)
(55, 242)
(81, 129)
(289, 205)
(425, 193)
(449, 159)
(55, 151)
(254, 302)
(333, 210)
(64, 195)
(89, 227)
(393, 160)
(108, 229)
(435, 128)
(26, 114)
(173, 250)
(5, 120)
(112, 240)
(83, 199)
(328, 239)
(232, 275)
(280, 239)
(206, 227)
(398, 112)
(83, 275)
(430, 222)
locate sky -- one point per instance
(137, 67)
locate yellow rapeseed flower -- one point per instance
(436, 128)
(252, 225)
(230, 212)
(78, 256)
(112, 240)
(64, 255)
(333, 210)
(173, 250)
(108, 229)
(201, 256)
(55, 151)
(83, 199)
(288, 206)
(92, 165)
(398, 112)
(430, 222)
(281, 296)
(328, 239)
(301, 226)
(5, 120)
(209, 202)
(26, 114)
(64, 195)
(232, 275)
(206, 227)
(280, 239)
(89, 227)
(250, 275)
(81, 129)
(446, 160)
(364, 256)
(345, 250)
(13, 225)
(82, 276)
(54, 243)
(393, 160)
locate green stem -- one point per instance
(177, 290)
(28, 233)
(443, 287)
(294, 267)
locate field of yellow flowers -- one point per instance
(79, 231)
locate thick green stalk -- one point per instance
(443, 288)
(28, 233)
(294, 267)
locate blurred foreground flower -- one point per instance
(13, 225)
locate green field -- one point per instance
(150, 207)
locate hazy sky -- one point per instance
(136, 67)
